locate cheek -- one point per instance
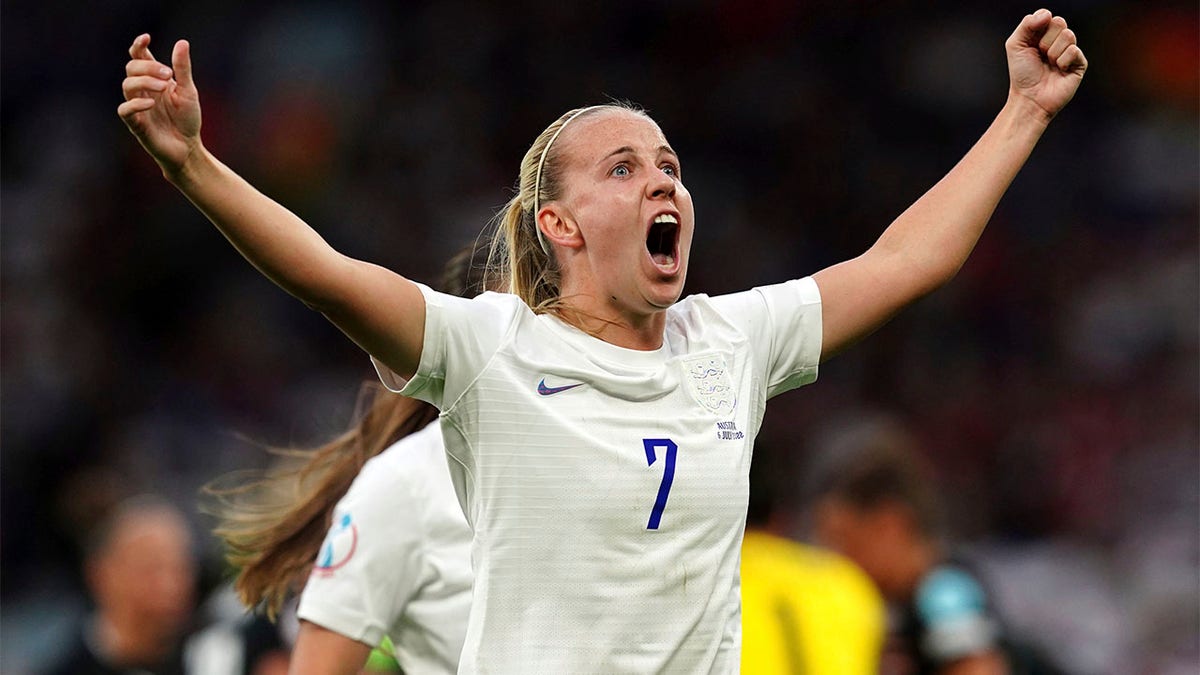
(687, 208)
(608, 220)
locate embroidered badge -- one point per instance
(708, 380)
(339, 546)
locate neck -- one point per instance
(643, 332)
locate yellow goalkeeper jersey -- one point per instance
(806, 611)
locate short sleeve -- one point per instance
(370, 564)
(952, 606)
(783, 324)
(461, 336)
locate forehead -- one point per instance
(139, 532)
(594, 136)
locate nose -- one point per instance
(660, 186)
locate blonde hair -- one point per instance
(517, 254)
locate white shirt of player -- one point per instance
(396, 560)
(607, 487)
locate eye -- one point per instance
(620, 171)
(670, 170)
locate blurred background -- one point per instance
(1052, 385)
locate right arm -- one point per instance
(379, 310)
(320, 651)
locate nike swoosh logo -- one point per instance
(547, 391)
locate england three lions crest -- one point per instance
(708, 380)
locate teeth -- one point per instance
(666, 218)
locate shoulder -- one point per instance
(818, 584)
(488, 314)
(801, 561)
(953, 616)
(947, 593)
(409, 459)
(488, 302)
(400, 474)
(802, 291)
(700, 319)
(750, 308)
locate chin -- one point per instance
(662, 305)
(665, 299)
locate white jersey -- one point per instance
(396, 560)
(607, 487)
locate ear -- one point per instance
(558, 227)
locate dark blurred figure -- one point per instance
(876, 503)
(236, 641)
(804, 609)
(140, 571)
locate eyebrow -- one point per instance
(629, 149)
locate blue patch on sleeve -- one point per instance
(949, 594)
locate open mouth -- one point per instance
(660, 241)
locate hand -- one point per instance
(162, 106)
(1045, 65)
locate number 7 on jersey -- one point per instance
(664, 488)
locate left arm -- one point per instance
(925, 247)
(325, 652)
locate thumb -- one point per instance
(181, 63)
(1029, 31)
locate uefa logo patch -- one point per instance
(338, 547)
(708, 381)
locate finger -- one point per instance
(134, 87)
(1072, 60)
(1030, 29)
(140, 49)
(144, 67)
(1065, 39)
(1056, 27)
(181, 59)
(134, 106)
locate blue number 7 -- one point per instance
(664, 488)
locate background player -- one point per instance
(370, 528)
(805, 610)
(877, 503)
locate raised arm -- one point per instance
(925, 247)
(381, 311)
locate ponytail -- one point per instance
(273, 526)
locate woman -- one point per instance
(370, 527)
(599, 431)
(390, 560)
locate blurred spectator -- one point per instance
(141, 575)
(878, 504)
(805, 610)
